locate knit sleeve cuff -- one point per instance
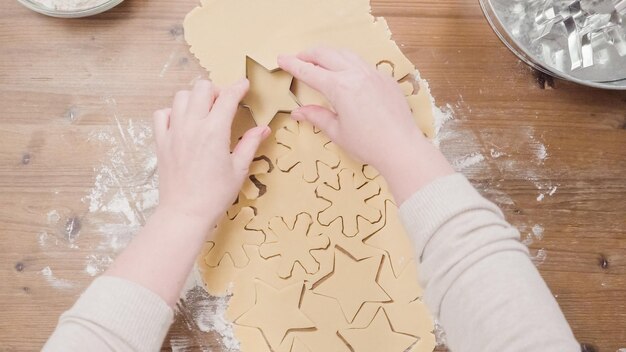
(127, 310)
(432, 206)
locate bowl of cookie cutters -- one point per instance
(583, 41)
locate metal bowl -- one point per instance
(82, 12)
(522, 25)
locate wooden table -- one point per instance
(552, 154)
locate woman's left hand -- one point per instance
(199, 177)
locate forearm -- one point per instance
(162, 254)
(477, 276)
(411, 165)
(113, 314)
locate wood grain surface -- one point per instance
(550, 153)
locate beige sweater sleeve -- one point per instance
(478, 279)
(113, 314)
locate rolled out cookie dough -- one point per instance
(294, 299)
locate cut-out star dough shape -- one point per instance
(283, 306)
(410, 318)
(307, 148)
(244, 281)
(348, 202)
(328, 318)
(399, 248)
(269, 93)
(229, 238)
(402, 288)
(378, 336)
(354, 246)
(294, 244)
(353, 283)
(299, 346)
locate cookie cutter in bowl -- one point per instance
(583, 41)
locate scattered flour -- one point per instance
(45, 239)
(125, 187)
(468, 161)
(535, 234)
(207, 312)
(545, 190)
(539, 257)
(53, 217)
(495, 154)
(440, 115)
(538, 231)
(440, 334)
(541, 152)
(168, 63)
(97, 264)
(54, 281)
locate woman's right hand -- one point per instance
(371, 114)
(371, 119)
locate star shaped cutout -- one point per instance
(377, 336)
(328, 317)
(299, 346)
(276, 312)
(269, 93)
(353, 283)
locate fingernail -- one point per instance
(240, 82)
(266, 132)
(297, 115)
(263, 131)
